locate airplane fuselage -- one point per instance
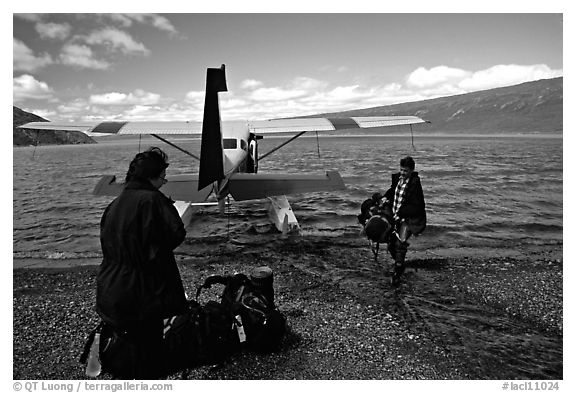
(239, 148)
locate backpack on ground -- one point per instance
(204, 335)
(259, 325)
(244, 318)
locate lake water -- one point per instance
(480, 191)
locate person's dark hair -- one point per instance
(408, 162)
(147, 165)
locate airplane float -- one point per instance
(229, 160)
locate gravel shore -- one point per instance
(474, 317)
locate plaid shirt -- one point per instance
(399, 195)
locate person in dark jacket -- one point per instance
(138, 282)
(406, 197)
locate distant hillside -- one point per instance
(29, 137)
(532, 107)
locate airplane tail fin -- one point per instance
(211, 152)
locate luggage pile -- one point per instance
(245, 318)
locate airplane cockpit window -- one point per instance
(228, 143)
(243, 145)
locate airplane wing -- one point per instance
(179, 188)
(246, 186)
(195, 127)
(122, 127)
(329, 124)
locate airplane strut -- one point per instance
(176, 146)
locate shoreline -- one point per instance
(420, 249)
(482, 316)
(102, 140)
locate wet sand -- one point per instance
(459, 313)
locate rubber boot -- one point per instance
(392, 246)
(399, 261)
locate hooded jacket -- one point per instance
(138, 279)
(413, 208)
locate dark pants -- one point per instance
(140, 355)
(148, 339)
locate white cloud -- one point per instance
(74, 107)
(58, 31)
(26, 60)
(507, 75)
(138, 97)
(195, 96)
(26, 87)
(109, 99)
(422, 77)
(233, 103)
(298, 88)
(300, 96)
(154, 20)
(157, 21)
(275, 94)
(139, 111)
(116, 40)
(304, 96)
(250, 84)
(393, 87)
(302, 82)
(174, 112)
(81, 56)
(122, 19)
(347, 93)
(444, 81)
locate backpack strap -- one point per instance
(233, 285)
(255, 310)
(211, 280)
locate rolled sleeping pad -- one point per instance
(263, 278)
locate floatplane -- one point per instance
(229, 160)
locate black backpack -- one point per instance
(259, 325)
(204, 335)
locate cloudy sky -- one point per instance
(153, 66)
